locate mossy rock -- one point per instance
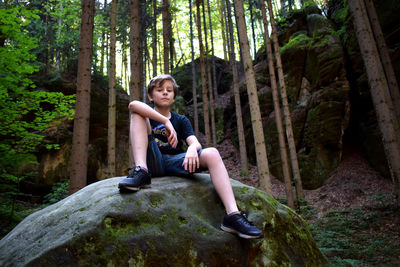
(174, 223)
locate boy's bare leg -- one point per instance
(139, 129)
(211, 159)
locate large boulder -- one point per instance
(174, 223)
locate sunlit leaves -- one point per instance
(24, 113)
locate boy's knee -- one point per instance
(211, 153)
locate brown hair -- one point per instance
(159, 80)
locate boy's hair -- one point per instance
(159, 80)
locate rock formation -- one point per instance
(174, 223)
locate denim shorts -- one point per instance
(165, 164)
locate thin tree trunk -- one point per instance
(214, 74)
(58, 53)
(194, 83)
(125, 81)
(226, 25)
(179, 43)
(166, 31)
(154, 44)
(144, 72)
(111, 93)
(252, 27)
(278, 115)
(210, 86)
(80, 139)
(103, 42)
(380, 94)
(384, 54)
(258, 131)
(203, 77)
(238, 108)
(286, 111)
(221, 5)
(135, 85)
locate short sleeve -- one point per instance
(187, 129)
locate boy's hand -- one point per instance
(191, 162)
(172, 136)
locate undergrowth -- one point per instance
(14, 211)
(358, 237)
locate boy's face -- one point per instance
(163, 94)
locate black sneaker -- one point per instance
(238, 224)
(136, 180)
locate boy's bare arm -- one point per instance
(147, 112)
(194, 142)
(191, 161)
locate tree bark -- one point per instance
(380, 94)
(112, 94)
(278, 114)
(286, 111)
(258, 131)
(210, 85)
(203, 77)
(385, 57)
(135, 84)
(58, 53)
(80, 139)
(166, 36)
(238, 108)
(221, 8)
(103, 42)
(194, 82)
(154, 44)
(252, 27)
(214, 74)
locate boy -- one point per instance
(157, 137)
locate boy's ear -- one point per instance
(150, 97)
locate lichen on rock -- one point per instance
(174, 223)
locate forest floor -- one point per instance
(353, 217)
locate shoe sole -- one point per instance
(233, 231)
(124, 188)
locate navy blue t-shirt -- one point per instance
(183, 129)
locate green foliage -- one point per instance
(355, 237)
(57, 27)
(25, 113)
(59, 191)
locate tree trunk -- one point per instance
(135, 85)
(80, 139)
(239, 118)
(286, 111)
(252, 27)
(194, 82)
(278, 115)
(154, 44)
(103, 42)
(112, 94)
(210, 86)
(387, 121)
(221, 8)
(166, 36)
(226, 25)
(58, 53)
(258, 131)
(214, 74)
(203, 77)
(385, 57)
